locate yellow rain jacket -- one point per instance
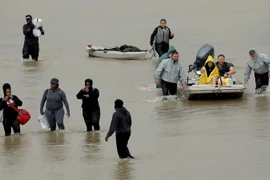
(204, 79)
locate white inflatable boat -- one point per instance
(125, 52)
(225, 90)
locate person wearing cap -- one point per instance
(31, 44)
(90, 105)
(260, 64)
(54, 98)
(226, 69)
(168, 73)
(121, 125)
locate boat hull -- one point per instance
(102, 53)
(209, 92)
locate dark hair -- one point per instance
(251, 52)
(163, 20)
(174, 52)
(221, 55)
(118, 103)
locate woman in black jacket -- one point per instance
(10, 115)
(90, 105)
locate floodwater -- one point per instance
(178, 139)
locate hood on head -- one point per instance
(210, 59)
(5, 87)
(90, 81)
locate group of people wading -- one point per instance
(55, 98)
(169, 70)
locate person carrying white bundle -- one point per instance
(31, 44)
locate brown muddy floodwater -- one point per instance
(187, 140)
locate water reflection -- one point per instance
(13, 150)
(91, 147)
(31, 66)
(55, 146)
(124, 170)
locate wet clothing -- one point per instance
(162, 38)
(164, 56)
(90, 106)
(261, 66)
(209, 73)
(121, 125)
(225, 68)
(9, 114)
(261, 81)
(168, 88)
(31, 44)
(171, 72)
(54, 107)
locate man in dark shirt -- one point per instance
(226, 69)
(121, 123)
(31, 44)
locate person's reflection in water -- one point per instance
(91, 147)
(56, 149)
(124, 170)
(12, 151)
(32, 66)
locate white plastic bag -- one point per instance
(37, 22)
(43, 120)
(1, 115)
(36, 32)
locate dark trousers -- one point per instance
(162, 48)
(262, 81)
(91, 118)
(168, 88)
(121, 144)
(30, 50)
(11, 123)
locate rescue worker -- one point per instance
(168, 73)
(162, 35)
(90, 105)
(226, 69)
(260, 64)
(31, 44)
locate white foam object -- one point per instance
(36, 32)
(43, 120)
(37, 22)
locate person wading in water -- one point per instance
(162, 35)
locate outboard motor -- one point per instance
(201, 57)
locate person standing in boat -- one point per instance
(209, 72)
(10, 115)
(260, 64)
(168, 73)
(226, 69)
(90, 105)
(54, 98)
(121, 125)
(161, 35)
(31, 44)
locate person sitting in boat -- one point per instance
(163, 57)
(209, 72)
(169, 72)
(162, 35)
(226, 69)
